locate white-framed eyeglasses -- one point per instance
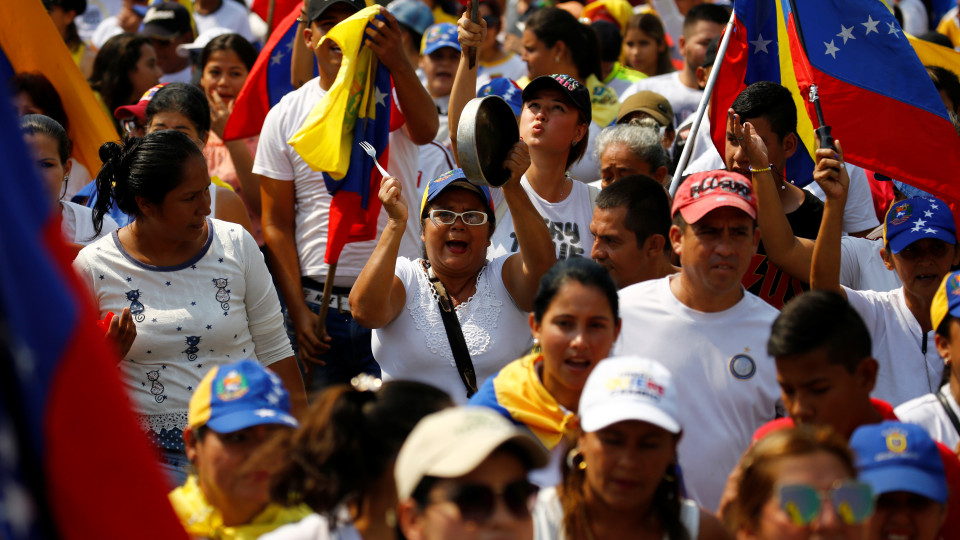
(449, 217)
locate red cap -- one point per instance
(705, 191)
(140, 109)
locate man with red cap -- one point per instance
(705, 328)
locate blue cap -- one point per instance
(449, 179)
(917, 218)
(892, 456)
(506, 89)
(412, 13)
(236, 396)
(439, 36)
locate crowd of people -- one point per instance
(566, 351)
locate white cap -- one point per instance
(629, 388)
(205, 37)
(454, 442)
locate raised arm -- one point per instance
(832, 177)
(422, 119)
(470, 34)
(791, 253)
(523, 270)
(378, 295)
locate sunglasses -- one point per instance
(851, 500)
(477, 502)
(449, 217)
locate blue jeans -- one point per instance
(349, 353)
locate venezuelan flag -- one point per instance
(874, 91)
(40, 48)
(357, 108)
(73, 463)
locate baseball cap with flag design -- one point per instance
(917, 218)
(454, 178)
(629, 388)
(236, 396)
(947, 300)
(892, 456)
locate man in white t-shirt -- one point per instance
(228, 14)
(296, 203)
(702, 23)
(707, 330)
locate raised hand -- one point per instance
(391, 196)
(469, 33)
(747, 138)
(384, 39)
(830, 173)
(517, 162)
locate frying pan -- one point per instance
(486, 133)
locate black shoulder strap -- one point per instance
(946, 407)
(461, 355)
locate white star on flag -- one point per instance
(379, 97)
(929, 230)
(831, 49)
(760, 44)
(916, 228)
(927, 213)
(920, 222)
(846, 33)
(265, 413)
(933, 206)
(277, 58)
(893, 29)
(871, 25)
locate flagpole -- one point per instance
(702, 108)
(321, 328)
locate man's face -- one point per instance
(615, 247)
(922, 265)
(778, 150)
(715, 252)
(329, 54)
(818, 392)
(694, 41)
(440, 66)
(168, 59)
(618, 161)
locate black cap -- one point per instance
(166, 20)
(315, 8)
(575, 92)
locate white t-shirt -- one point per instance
(927, 412)
(231, 15)
(862, 268)
(414, 346)
(858, 213)
(216, 308)
(183, 75)
(97, 11)
(278, 160)
(434, 160)
(76, 224)
(726, 381)
(704, 156)
(105, 30)
(568, 222)
(313, 527)
(443, 131)
(915, 20)
(906, 372)
(511, 68)
(548, 516)
(588, 168)
(682, 98)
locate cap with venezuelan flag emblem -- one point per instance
(236, 396)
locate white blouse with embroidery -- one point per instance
(414, 346)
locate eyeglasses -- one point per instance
(449, 217)
(130, 125)
(477, 502)
(851, 500)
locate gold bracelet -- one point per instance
(754, 171)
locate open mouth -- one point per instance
(456, 246)
(577, 365)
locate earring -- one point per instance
(575, 459)
(556, 59)
(536, 347)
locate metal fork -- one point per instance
(372, 152)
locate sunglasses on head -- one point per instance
(477, 502)
(851, 500)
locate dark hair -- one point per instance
(111, 71)
(32, 124)
(936, 37)
(609, 40)
(345, 443)
(578, 269)
(706, 12)
(666, 500)
(647, 205)
(946, 81)
(72, 39)
(185, 99)
(551, 25)
(42, 93)
(149, 168)
(821, 319)
(229, 42)
(651, 25)
(495, 11)
(769, 100)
